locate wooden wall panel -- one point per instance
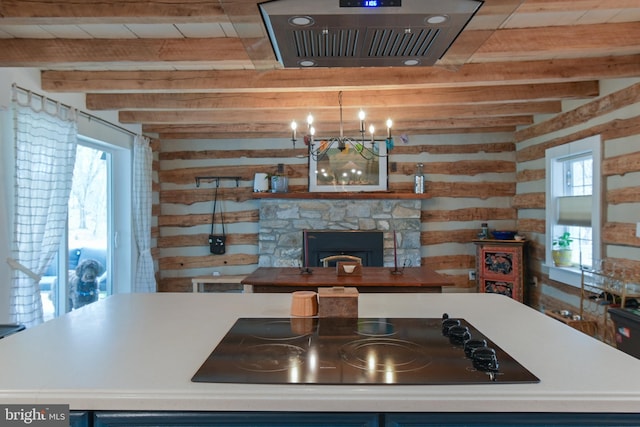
(581, 115)
(615, 116)
(205, 219)
(469, 214)
(529, 201)
(623, 195)
(470, 178)
(620, 234)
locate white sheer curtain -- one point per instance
(145, 280)
(45, 151)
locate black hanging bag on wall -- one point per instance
(217, 242)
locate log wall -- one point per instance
(497, 178)
(615, 115)
(471, 178)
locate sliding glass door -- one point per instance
(82, 271)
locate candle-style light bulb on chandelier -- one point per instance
(365, 145)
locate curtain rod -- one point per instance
(80, 112)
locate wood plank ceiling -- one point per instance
(205, 69)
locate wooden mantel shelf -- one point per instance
(363, 195)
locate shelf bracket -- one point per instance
(217, 179)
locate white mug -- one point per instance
(260, 183)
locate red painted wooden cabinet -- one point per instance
(500, 267)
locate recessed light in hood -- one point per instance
(312, 33)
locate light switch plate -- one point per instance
(638, 229)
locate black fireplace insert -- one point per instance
(366, 245)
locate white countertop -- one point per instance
(139, 352)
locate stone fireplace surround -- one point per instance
(283, 221)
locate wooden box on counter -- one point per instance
(338, 301)
(500, 267)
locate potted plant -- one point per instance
(561, 251)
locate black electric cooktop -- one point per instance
(334, 351)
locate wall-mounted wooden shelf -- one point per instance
(364, 195)
(217, 179)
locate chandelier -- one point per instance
(365, 145)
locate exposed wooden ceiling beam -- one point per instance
(244, 120)
(102, 10)
(46, 52)
(330, 119)
(195, 134)
(249, 25)
(199, 131)
(504, 45)
(343, 78)
(324, 120)
(359, 99)
(545, 6)
(519, 44)
(270, 130)
(544, 52)
(375, 112)
(49, 12)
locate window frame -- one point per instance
(120, 261)
(554, 158)
(120, 205)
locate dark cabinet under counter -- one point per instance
(353, 419)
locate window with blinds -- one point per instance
(574, 206)
(572, 193)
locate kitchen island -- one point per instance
(136, 354)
